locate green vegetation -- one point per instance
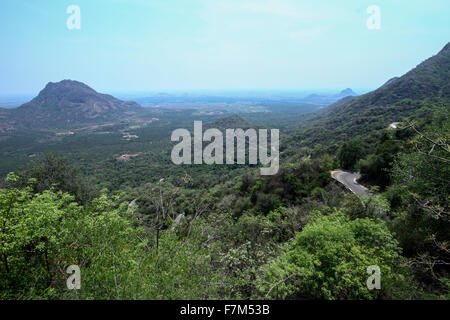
(349, 154)
(143, 228)
(328, 259)
(295, 235)
(44, 233)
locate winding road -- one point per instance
(348, 179)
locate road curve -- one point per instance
(348, 179)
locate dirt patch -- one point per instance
(127, 157)
(66, 133)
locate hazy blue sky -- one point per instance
(140, 45)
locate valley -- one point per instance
(87, 178)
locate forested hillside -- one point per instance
(414, 95)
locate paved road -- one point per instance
(349, 180)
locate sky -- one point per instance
(164, 45)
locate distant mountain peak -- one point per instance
(67, 83)
(346, 92)
(313, 96)
(66, 89)
(68, 103)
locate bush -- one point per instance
(329, 258)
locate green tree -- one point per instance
(329, 258)
(420, 195)
(349, 154)
(42, 234)
(52, 170)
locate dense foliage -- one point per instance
(295, 235)
(330, 257)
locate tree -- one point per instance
(51, 170)
(377, 167)
(349, 154)
(329, 258)
(42, 234)
(421, 194)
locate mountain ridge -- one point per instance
(330, 98)
(417, 93)
(423, 81)
(346, 92)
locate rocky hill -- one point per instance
(67, 104)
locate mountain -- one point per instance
(328, 99)
(313, 96)
(430, 79)
(346, 93)
(69, 103)
(416, 94)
